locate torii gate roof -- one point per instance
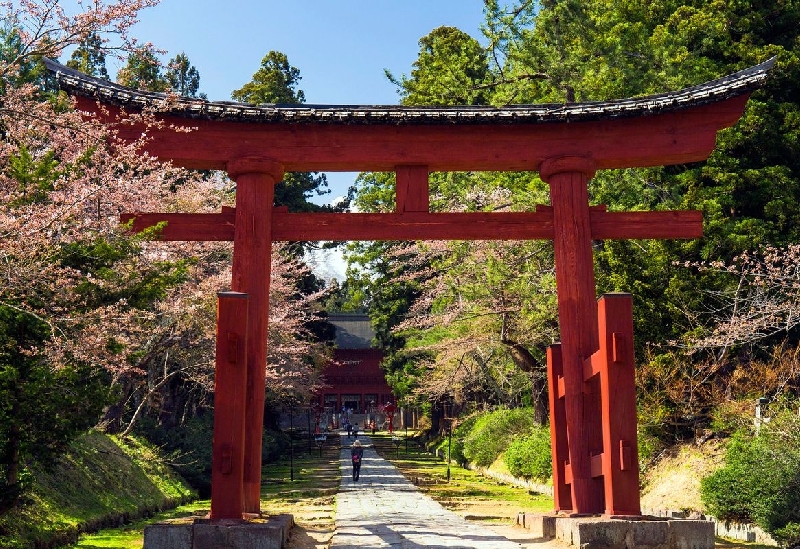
(668, 128)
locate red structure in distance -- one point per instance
(355, 380)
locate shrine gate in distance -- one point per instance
(592, 397)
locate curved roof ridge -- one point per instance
(738, 83)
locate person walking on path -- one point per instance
(386, 510)
(356, 456)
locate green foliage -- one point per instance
(274, 446)
(450, 70)
(17, 68)
(41, 408)
(649, 447)
(188, 446)
(274, 82)
(36, 177)
(760, 481)
(142, 71)
(96, 481)
(530, 456)
(492, 433)
(788, 535)
(89, 57)
(456, 443)
(182, 77)
(109, 283)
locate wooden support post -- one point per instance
(577, 308)
(615, 362)
(252, 253)
(230, 385)
(558, 430)
(411, 189)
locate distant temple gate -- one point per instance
(592, 400)
(356, 383)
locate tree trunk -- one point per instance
(437, 413)
(526, 362)
(145, 400)
(111, 421)
(12, 489)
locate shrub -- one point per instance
(188, 446)
(274, 446)
(457, 444)
(650, 447)
(493, 432)
(529, 456)
(760, 481)
(789, 535)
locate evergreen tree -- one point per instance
(182, 77)
(274, 82)
(451, 69)
(17, 68)
(89, 57)
(142, 71)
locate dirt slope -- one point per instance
(674, 483)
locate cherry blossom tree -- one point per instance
(761, 302)
(89, 312)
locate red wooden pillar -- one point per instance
(615, 362)
(230, 384)
(252, 252)
(562, 494)
(577, 311)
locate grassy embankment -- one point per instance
(309, 497)
(99, 481)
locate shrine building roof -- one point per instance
(353, 331)
(733, 85)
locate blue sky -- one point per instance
(341, 47)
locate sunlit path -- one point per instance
(383, 509)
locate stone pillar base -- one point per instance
(266, 533)
(621, 532)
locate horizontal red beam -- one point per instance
(424, 226)
(679, 137)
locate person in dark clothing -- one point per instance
(356, 456)
(355, 430)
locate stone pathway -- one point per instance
(383, 509)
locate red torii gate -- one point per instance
(566, 144)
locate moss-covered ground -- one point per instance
(100, 480)
(304, 486)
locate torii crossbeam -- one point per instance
(566, 144)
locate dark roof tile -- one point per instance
(739, 83)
